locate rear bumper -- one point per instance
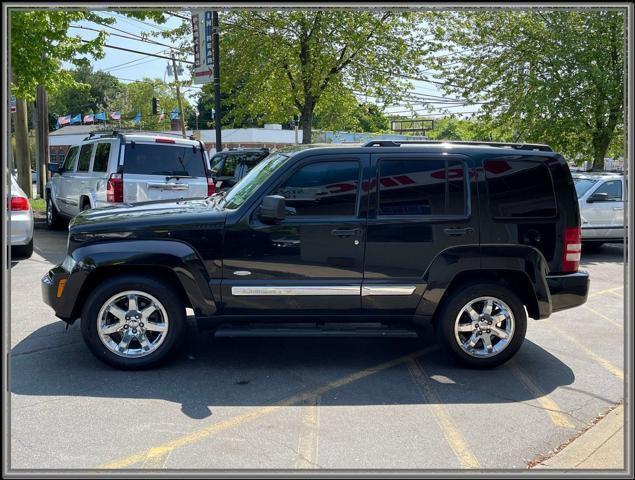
(568, 291)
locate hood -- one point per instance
(146, 219)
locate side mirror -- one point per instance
(272, 208)
(598, 197)
(54, 167)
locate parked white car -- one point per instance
(601, 198)
(21, 221)
(117, 168)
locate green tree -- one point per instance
(551, 76)
(291, 62)
(92, 92)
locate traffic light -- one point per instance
(155, 105)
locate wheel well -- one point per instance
(99, 275)
(83, 201)
(517, 282)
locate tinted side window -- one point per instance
(158, 159)
(613, 188)
(323, 188)
(421, 187)
(100, 164)
(519, 188)
(84, 158)
(70, 159)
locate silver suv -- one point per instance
(601, 198)
(117, 168)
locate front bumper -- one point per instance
(568, 291)
(61, 300)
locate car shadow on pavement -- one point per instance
(213, 372)
(606, 253)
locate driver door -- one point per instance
(310, 263)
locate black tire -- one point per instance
(54, 220)
(171, 302)
(446, 318)
(23, 251)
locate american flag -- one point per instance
(90, 118)
(64, 120)
(115, 116)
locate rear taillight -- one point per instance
(19, 204)
(114, 189)
(572, 249)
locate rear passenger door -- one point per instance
(99, 172)
(81, 178)
(419, 205)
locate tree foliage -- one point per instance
(40, 43)
(293, 61)
(552, 76)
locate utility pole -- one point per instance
(178, 96)
(22, 159)
(42, 139)
(215, 55)
(296, 121)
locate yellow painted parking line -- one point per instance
(556, 415)
(157, 458)
(451, 433)
(608, 290)
(614, 293)
(254, 414)
(603, 362)
(601, 315)
(309, 435)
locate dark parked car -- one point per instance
(471, 237)
(230, 166)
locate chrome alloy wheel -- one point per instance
(484, 327)
(49, 211)
(132, 324)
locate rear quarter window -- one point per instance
(162, 159)
(519, 189)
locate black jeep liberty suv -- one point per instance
(471, 236)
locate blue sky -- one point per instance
(127, 66)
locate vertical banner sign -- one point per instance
(202, 36)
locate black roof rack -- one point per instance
(515, 146)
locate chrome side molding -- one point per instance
(311, 290)
(308, 290)
(370, 290)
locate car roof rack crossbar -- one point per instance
(515, 146)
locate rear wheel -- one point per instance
(133, 322)
(482, 325)
(53, 218)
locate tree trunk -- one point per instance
(601, 141)
(42, 138)
(22, 159)
(306, 120)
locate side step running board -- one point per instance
(314, 331)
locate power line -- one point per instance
(127, 20)
(138, 37)
(140, 53)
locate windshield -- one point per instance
(253, 180)
(582, 185)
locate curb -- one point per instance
(601, 446)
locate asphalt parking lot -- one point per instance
(274, 403)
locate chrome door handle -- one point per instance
(345, 232)
(457, 232)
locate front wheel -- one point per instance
(133, 322)
(482, 325)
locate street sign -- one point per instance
(12, 104)
(202, 36)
